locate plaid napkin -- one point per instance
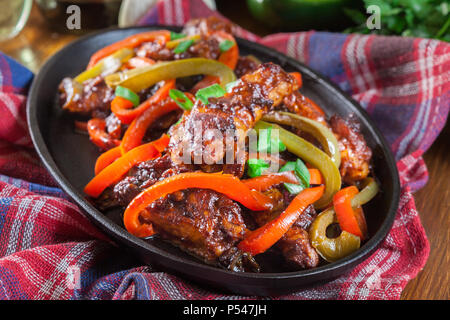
(49, 250)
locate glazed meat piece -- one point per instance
(299, 104)
(92, 98)
(143, 176)
(204, 223)
(355, 154)
(202, 135)
(245, 65)
(206, 26)
(294, 245)
(206, 47)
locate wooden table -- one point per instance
(37, 42)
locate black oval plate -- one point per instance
(70, 158)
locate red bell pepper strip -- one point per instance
(130, 42)
(359, 214)
(315, 177)
(314, 106)
(123, 109)
(96, 129)
(297, 77)
(261, 239)
(136, 131)
(81, 126)
(227, 184)
(106, 158)
(114, 172)
(162, 143)
(345, 214)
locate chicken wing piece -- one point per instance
(202, 135)
(355, 154)
(205, 224)
(295, 244)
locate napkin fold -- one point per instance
(49, 249)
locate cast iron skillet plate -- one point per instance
(70, 158)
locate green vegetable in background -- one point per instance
(415, 18)
(302, 14)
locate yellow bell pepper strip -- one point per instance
(261, 239)
(142, 78)
(311, 154)
(96, 129)
(115, 171)
(130, 43)
(226, 184)
(106, 158)
(108, 65)
(123, 108)
(323, 135)
(331, 249)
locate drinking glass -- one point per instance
(13, 17)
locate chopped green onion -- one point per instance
(256, 167)
(289, 166)
(300, 170)
(181, 99)
(293, 188)
(175, 35)
(226, 45)
(183, 46)
(212, 91)
(267, 143)
(127, 94)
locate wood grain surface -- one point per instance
(37, 42)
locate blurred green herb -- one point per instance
(413, 18)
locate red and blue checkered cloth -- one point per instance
(49, 250)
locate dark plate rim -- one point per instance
(121, 235)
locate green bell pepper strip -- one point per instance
(109, 64)
(323, 135)
(332, 249)
(142, 78)
(311, 154)
(369, 191)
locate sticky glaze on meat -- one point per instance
(205, 223)
(254, 95)
(355, 154)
